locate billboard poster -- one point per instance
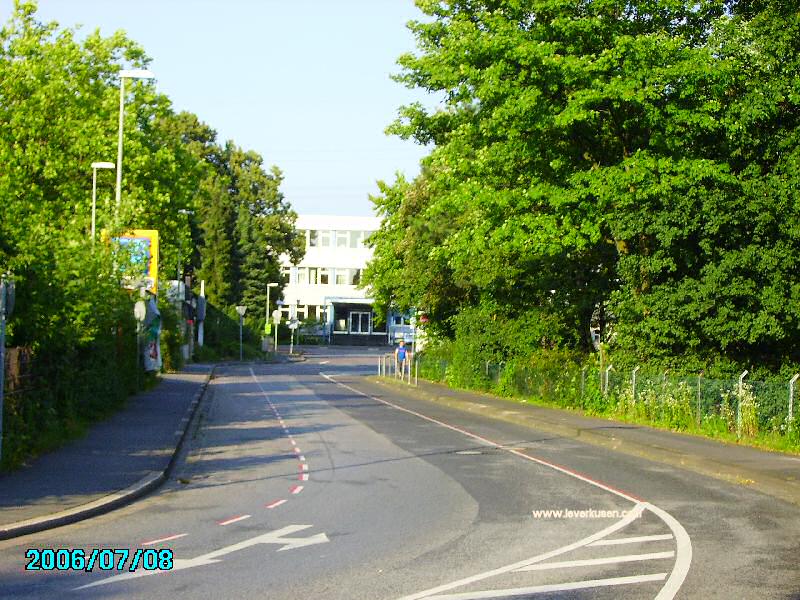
(141, 246)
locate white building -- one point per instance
(323, 286)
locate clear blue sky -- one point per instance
(303, 82)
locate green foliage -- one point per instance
(58, 114)
(627, 166)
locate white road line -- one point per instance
(276, 504)
(324, 362)
(234, 520)
(296, 489)
(553, 587)
(301, 458)
(633, 540)
(165, 539)
(606, 560)
(684, 555)
(296, 450)
(684, 545)
(304, 477)
(303, 467)
(633, 514)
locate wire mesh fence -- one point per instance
(739, 406)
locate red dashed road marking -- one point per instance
(234, 520)
(164, 539)
(296, 489)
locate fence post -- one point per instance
(608, 370)
(487, 368)
(791, 397)
(633, 383)
(583, 380)
(416, 372)
(379, 366)
(739, 404)
(699, 409)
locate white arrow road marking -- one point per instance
(279, 537)
(553, 587)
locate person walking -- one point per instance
(400, 357)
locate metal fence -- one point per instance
(739, 406)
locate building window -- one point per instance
(286, 274)
(341, 239)
(324, 276)
(312, 275)
(302, 276)
(364, 238)
(355, 239)
(312, 312)
(342, 276)
(313, 238)
(398, 320)
(360, 322)
(325, 239)
(340, 325)
(355, 275)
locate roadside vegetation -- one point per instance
(624, 169)
(219, 211)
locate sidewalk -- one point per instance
(120, 459)
(772, 473)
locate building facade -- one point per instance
(322, 290)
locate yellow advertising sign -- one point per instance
(142, 244)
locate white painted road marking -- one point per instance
(634, 513)
(606, 560)
(296, 489)
(553, 587)
(683, 542)
(234, 520)
(280, 537)
(633, 540)
(165, 539)
(277, 503)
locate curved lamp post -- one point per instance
(123, 75)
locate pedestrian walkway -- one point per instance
(773, 473)
(118, 460)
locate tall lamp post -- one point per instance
(123, 75)
(95, 166)
(241, 310)
(266, 310)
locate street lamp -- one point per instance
(123, 75)
(266, 312)
(95, 166)
(241, 310)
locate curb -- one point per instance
(783, 489)
(115, 500)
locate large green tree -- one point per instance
(591, 163)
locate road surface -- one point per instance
(306, 480)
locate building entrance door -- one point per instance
(360, 322)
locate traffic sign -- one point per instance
(276, 317)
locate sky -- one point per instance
(306, 83)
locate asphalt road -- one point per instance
(307, 481)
